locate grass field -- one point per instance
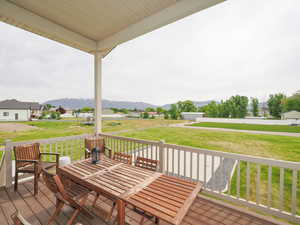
(239, 126)
(51, 129)
(269, 146)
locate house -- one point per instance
(292, 115)
(192, 115)
(13, 110)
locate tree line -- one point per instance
(238, 107)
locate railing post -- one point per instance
(161, 145)
(8, 163)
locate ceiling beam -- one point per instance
(178, 10)
(17, 16)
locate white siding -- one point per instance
(291, 115)
(23, 114)
(191, 115)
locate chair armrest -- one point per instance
(52, 153)
(108, 148)
(49, 153)
(27, 160)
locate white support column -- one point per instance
(98, 92)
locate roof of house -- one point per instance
(15, 104)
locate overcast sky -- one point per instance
(246, 47)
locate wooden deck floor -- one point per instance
(37, 210)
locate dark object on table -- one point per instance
(95, 155)
(28, 160)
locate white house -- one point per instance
(192, 115)
(292, 115)
(13, 110)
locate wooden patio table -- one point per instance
(165, 197)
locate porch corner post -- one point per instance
(8, 163)
(161, 145)
(98, 92)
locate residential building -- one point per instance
(14, 110)
(192, 115)
(292, 115)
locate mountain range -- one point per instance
(77, 103)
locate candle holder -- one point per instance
(95, 155)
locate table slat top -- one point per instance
(110, 176)
(168, 198)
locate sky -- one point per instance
(245, 47)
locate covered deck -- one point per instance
(37, 210)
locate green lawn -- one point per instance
(51, 129)
(269, 146)
(239, 126)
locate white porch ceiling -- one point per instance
(96, 25)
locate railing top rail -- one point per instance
(49, 140)
(131, 139)
(253, 159)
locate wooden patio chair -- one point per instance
(124, 158)
(18, 219)
(149, 164)
(95, 142)
(28, 160)
(68, 193)
(121, 157)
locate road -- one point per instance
(238, 131)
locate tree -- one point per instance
(150, 109)
(186, 106)
(174, 113)
(87, 110)
(145, 115)
(254, 106)
(238, 106)
(211, 110)
(55, 115)
(276, 104)
(166, 115)
(61, 110)
(292, 103)
(47, 107)
(160, 110)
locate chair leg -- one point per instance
(16, 181)
(109, 215)
(96, 198)
(59, 205)
(36, 184)
(83, 210)
(78, 210)
(142, 220)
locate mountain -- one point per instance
(197, 103)
(77, 103)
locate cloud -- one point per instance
(248, 47)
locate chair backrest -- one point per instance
(145, 163)
(124, 158)
(18, 219)
(27, 152)
(95, 142)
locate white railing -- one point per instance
(269, 185)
